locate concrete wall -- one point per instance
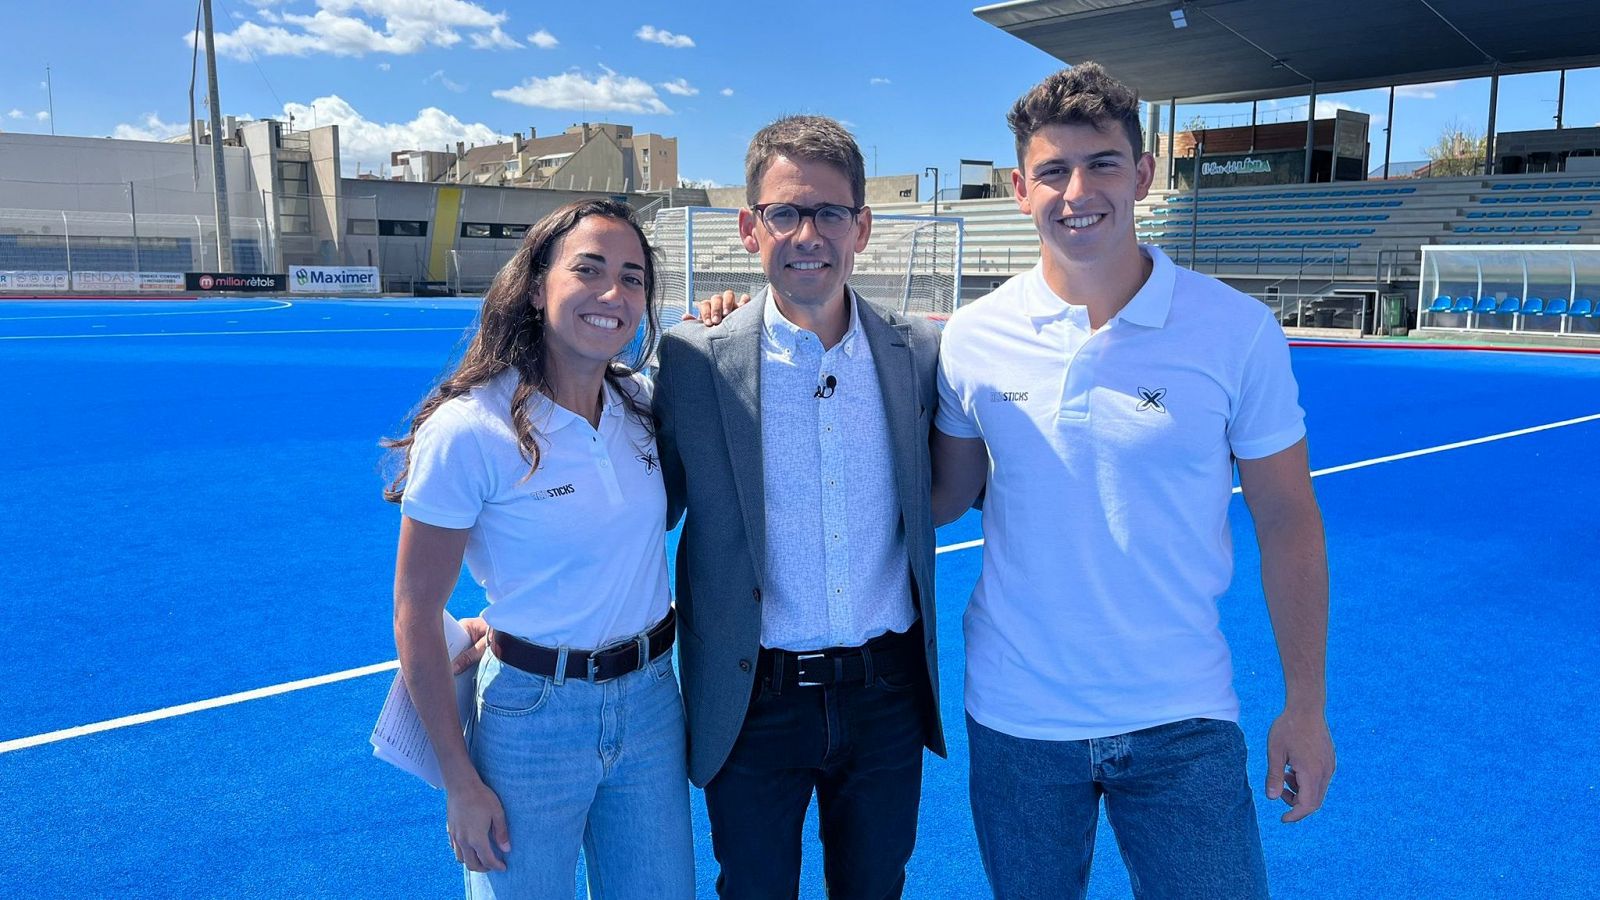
(49, 172)
(404, 258)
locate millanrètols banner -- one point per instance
(333, 279)
(233, 281)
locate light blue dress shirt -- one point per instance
(837, 573)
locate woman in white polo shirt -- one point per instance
(535, 462)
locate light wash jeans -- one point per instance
(600, 766)
(1177, 796)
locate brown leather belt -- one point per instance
(588, 665)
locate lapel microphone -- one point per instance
(825, 389)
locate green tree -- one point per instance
(1459, 150)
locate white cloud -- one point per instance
(1424, 91)
(364, 141)
(495, 40)
(383, 67)
(44, 85)
(880, 81)
(609, 92)
(445, 81)
(150, 128)
(1327, 108)
(543, 39)
(654, 35)
(17, 114)
(42, 116)
(680, 87)
(358, 27)
(726, 92)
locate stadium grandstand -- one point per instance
(1316, 238)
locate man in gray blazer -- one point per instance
(794, 439)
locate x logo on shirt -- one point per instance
(650, 460)
(1152, 399)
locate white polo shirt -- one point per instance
(572, 556)
(1110, 476)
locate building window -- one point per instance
(477, 230)
(294, 224)
(402, 228)
(361, 226)
(515, 232)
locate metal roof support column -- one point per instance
(1561, 98)
(1311, 124)
(1172, 139)
(1488, 138)
(1388, 134)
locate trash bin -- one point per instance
(1322, 318)
(1395, 314)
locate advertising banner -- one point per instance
(333, 279)
(161, 281)
(105, 281)
(33, 281)
(237, 282)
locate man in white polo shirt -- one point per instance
(1103, 398)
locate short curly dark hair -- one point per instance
(1083, 94)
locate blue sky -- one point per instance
(920, 83)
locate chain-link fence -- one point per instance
(108, 236)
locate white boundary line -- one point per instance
(291, 686)
(199, 705)
(63, 337)
(282, 304)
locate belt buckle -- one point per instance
(800, 658)
(593, 664)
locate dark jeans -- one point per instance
(859, 746)
(1177, 796)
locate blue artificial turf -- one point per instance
(191, 508)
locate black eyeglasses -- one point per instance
(831, 219)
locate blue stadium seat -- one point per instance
(1556, 307)
(1464, 304)
(1510, 305)
(1500, 187)
(1487, 305)
(1582, 306)
(1533, 306)
(1441, 303)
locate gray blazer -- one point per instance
(708, 408)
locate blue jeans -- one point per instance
(1177, 797)
(859, 747)
(600, 766)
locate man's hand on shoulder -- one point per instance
(1300, 762)
(713, 309)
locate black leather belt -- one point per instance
(588, 665)
(887, 654)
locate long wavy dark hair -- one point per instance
(511, 336)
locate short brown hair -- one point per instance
(810, 139)
(1083, 94)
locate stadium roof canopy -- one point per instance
(1262, 49)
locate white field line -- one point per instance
(287, 687)
(63, 337)
(281, 304)
(186, 708)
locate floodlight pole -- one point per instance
(219, 178)
(50, 96)
(935, 171)
(1194, 208)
